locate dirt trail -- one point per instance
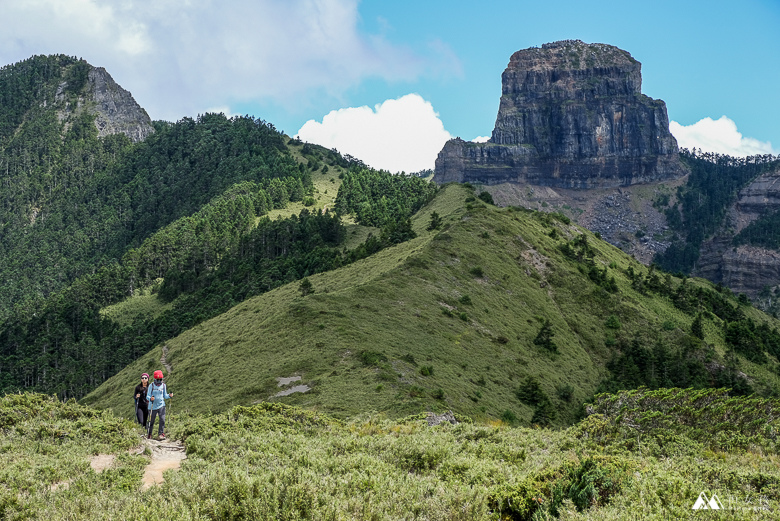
(166, 455)
(101, 462)
(163, 360)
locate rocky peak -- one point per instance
(571, 115)
(115, 108)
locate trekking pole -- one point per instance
(136, 409)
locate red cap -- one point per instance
(158, 375)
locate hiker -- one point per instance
(141, 403)
(157, 394)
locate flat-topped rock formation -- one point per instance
(572, 115)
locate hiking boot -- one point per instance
(149, 437)
(162, 436)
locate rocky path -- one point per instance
(166, 455)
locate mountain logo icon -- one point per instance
(704, 504)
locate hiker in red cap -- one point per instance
(157, 394)
(141, 403)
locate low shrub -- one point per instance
(591, 482)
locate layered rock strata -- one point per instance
(571, 115)
(744, 269)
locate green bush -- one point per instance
(544, 337)
(591, 482)
(565, 392)
(477, 271)
(612, 322)
(416, 391)
(486, 197)
(408, 357)
(509, 417)
(371, 358)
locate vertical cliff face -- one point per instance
(571, 115)
(745, 269)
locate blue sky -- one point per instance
(388, 82)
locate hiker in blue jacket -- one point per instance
(156, 395)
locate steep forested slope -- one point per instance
(73, 202)
(191, 270)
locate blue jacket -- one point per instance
(159, 393)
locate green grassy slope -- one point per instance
(444, 321)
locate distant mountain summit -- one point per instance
(115, 108)
(69, 87)
(572, 115)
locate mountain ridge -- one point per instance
(448, 320)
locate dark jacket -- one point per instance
(143, 403)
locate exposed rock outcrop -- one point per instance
(744, 269)
(116, 110)
(572, 115)
(760, 196)
(434, 419)
(623, 216)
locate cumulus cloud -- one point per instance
(719, 136)
(403, 134)
(481, 139)
(180, 57)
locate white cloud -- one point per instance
(224, 109)
(719, 136)
(481, 139)
(403, 134)
(179, 57)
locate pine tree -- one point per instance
(435, 223)
(306, 287)
(696, 327)
(545, 335)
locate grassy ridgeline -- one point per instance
(448, 320)
(273, 461)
